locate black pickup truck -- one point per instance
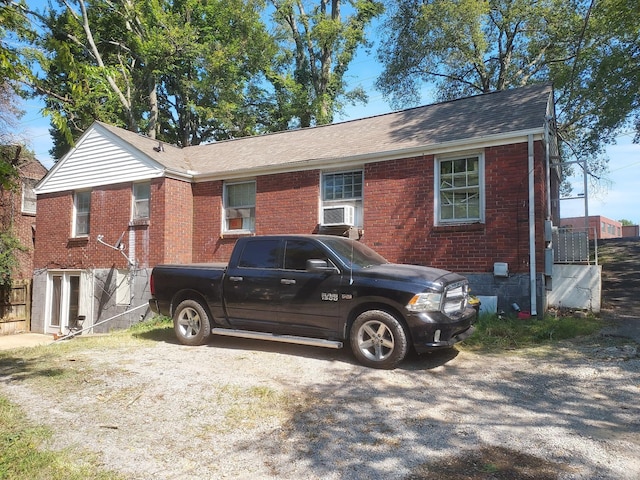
(317, 290)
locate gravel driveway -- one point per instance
(241, 408)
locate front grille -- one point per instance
(456, 298)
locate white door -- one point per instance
(65, 293)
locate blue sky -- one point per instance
(614, 197)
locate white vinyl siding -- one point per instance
(111, 163)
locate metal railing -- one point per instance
(575, 245)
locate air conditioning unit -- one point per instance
(338, 215)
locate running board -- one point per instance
(316, 342)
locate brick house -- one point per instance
(466, 185)
(18, 214)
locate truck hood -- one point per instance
(426, 276)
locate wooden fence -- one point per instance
(15, 308)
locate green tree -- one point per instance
(318, 42)
(588, 49)
(182, 71)
(14, 28)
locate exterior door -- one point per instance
(64, 303)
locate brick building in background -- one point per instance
(598, 226)
(465, 185)
(18, 216)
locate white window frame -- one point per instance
(437, 189)
(77, 215)
(245, 213)
(138, 200)
(62, 302)
(29, 198)
(357, 202)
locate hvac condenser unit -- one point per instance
(338, 215)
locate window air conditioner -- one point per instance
(338, 215)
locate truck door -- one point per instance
(252, 287)
(309, 302)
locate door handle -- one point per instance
(288, 281)
(235, 279)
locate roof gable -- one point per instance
(101, 157)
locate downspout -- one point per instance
(532, 230)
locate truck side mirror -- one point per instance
(320, 266)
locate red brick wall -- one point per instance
(185, 223)
(399, 215)
(23, 224)
(109, 216)
(207, 214)
(171, 230)
(285, 203)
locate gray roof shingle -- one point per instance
(498, 113)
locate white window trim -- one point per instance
(223, 227)
(28, 185)
(74, 232)
(436, 188)
(134, 200)
(84, 300)
(357, 202)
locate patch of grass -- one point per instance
(158, 328)
(248, 407)
(489, 462)
(23, 452)
(495, 332)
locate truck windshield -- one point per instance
(354, 254)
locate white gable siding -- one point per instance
(99, 159)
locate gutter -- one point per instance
(532, 230)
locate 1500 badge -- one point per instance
(330, 297)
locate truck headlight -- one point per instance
(425, 302)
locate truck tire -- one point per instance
(191, 323)
(378, 339)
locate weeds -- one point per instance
(23, 453)
(494, 333)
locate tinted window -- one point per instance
(297, 252)
(262, 253)
(354, 254)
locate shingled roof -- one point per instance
(515, 111)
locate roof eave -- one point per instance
(359, 160)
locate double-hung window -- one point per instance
(28, 196)
(341, 195)
(81, 211)
(460, 192)
(141, 195)
(240, 206)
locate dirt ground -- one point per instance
(239, 408)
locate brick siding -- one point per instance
(186, 219)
